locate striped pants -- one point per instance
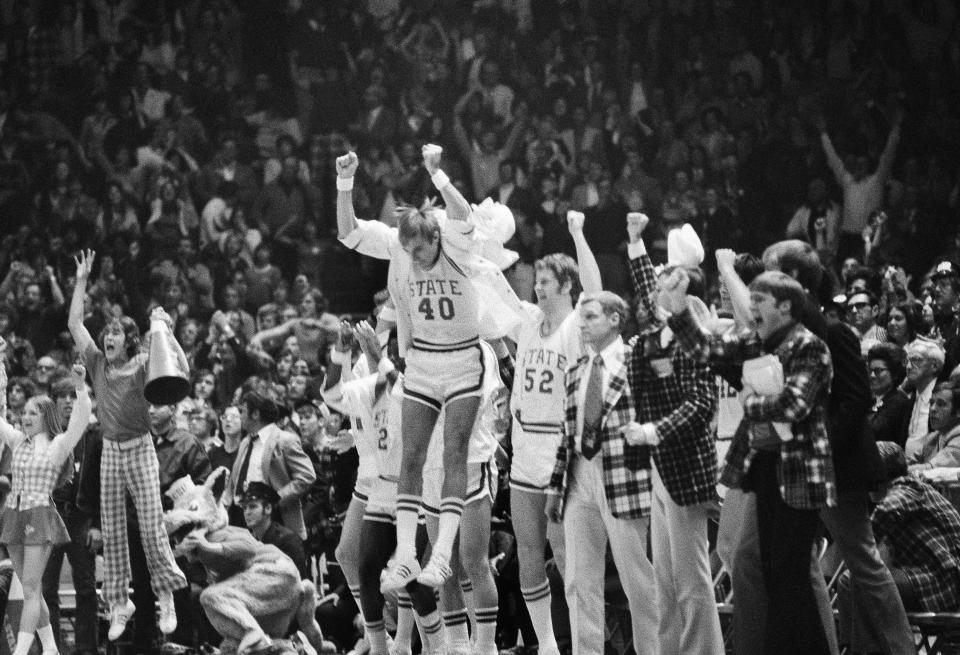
(132, 467)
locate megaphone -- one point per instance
(168, 380)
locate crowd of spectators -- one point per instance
(191, 143)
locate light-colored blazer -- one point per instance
(286, 468)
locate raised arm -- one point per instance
(272, 334)
(642, 274)
(519, 126)
(890, 150)
(586, 262)
(458, 208)
(346, 218)
(340, 357)
(737, 290)
(63, 444)
(698, 343)
(370, 238)
(8, 433)
(833, 159)
(75, 318)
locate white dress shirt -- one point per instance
(255, 467)
(612, 357)
(919, 417)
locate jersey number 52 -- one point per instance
(530, 380)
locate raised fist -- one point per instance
(636, 223)
(431, 157)
(347, 165)
(725, 257)
(673, 291)
(575, 221)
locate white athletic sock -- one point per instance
(432, 636)
(450, 511)
(408, 513)
(404, 637)
(377, 636)
(458, 634)
(486, 630)
(538, 605)
(24, 642)
(47, 642)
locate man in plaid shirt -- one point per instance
(919, 532)
(790, 469)
(675, 399)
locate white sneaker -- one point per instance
(168, 613)
(399, 576)
(118, 619)
(435, 573)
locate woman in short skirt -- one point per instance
(31, 524)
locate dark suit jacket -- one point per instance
(855, 457)
(891, 419)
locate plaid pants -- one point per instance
(134, 469)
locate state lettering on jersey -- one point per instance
(421, 288)
(542, 368)
(435, 298)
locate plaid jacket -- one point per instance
(805, 471)
(680, 405)
(626, 468)
(923, 529)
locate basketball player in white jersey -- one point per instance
(471, 556)
(547, 342)
(375, 400)
(433, 283)
(344, 367)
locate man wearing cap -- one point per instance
(259, 502)
(862, 310)
(946, 311)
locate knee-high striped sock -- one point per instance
(538, 604)
(458, 635)
(355, 592)
(432, 636)
(408, 513)
(377, 636)
(401, 641)
(466, 587)
(486, 631)
(451, 509)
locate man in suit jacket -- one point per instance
(601, 483)
(676, 401)
(780, 451)
(273, 456)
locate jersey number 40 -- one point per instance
(444, 308)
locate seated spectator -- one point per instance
(941, 447)
(922, 531)
(891, 405)
(904, 322)
(924, 363)
(259, 502)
